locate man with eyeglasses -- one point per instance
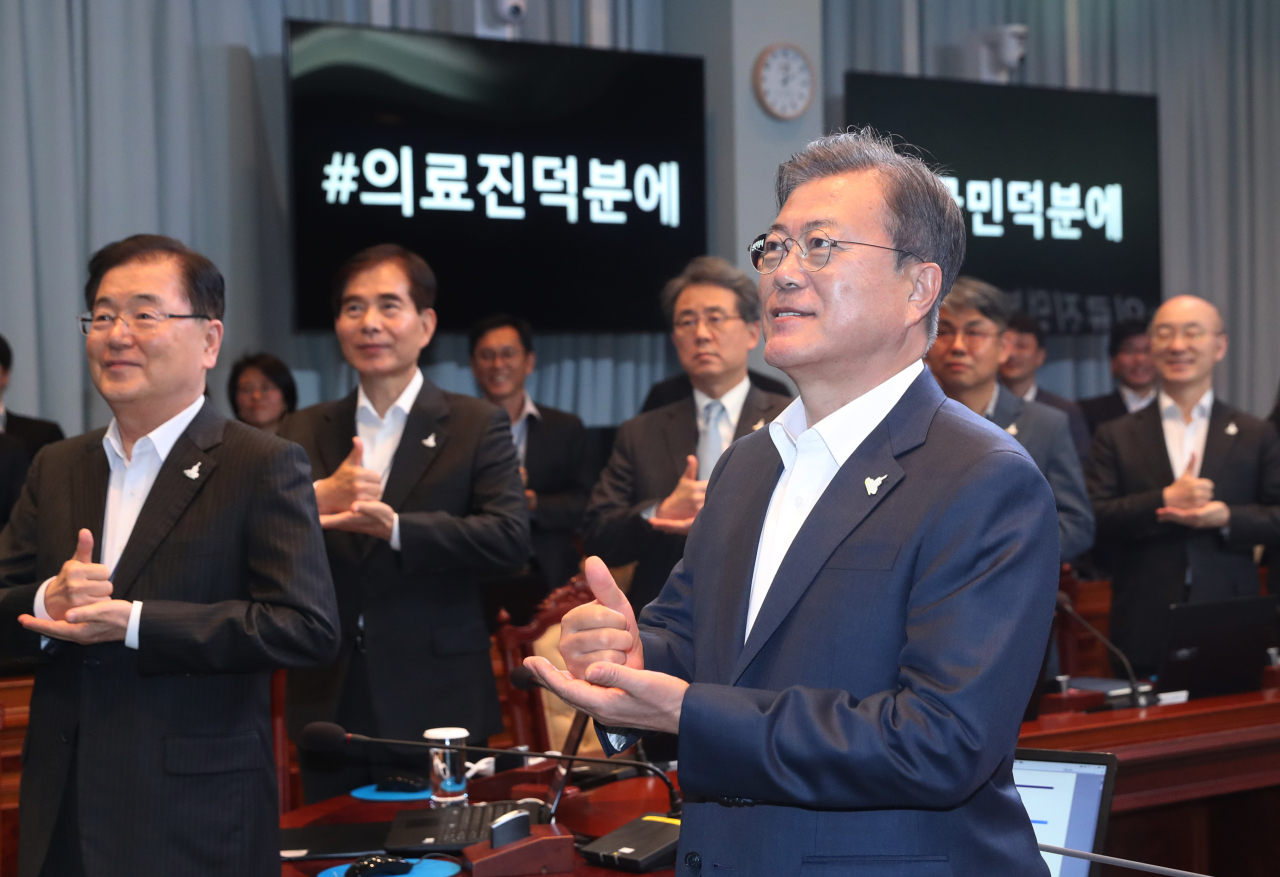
(162, 568)
(849, 642)
(1183, 489)
(552, 448)
(654, 484)
(420, 498)
(973, 340)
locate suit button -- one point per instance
(91, 662)
(64, 737)
(693, 861)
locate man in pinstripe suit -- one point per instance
(164, 566)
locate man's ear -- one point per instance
(429, 323)
(212, 343)
(926, 284)
(1005, 340)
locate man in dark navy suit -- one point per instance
(1027, 354)
(849, 642)
(1134, 372)
(32, 432)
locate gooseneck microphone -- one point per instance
(328, 737)
(1065, 604)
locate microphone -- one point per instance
(329, 737)
(525, 679)
(1065, 604)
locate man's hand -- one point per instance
(531, 499)
(349, 484)
(102, 622)
(79, 583)
(675, 514)
(617, 696)
(373, 518)
(1210, 516)
(1188, 492)
(602, 630)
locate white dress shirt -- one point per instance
(1182, 439)
(811, 457)
(990, 411)
(132, 477)
(1032, 391)
(1134, 401)
(4, 417)
(520, 428)
(381, 435)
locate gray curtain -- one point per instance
(124, 116)
(1215, 67)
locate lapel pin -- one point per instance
(430, 441)
(1232, 429)
(1012, 429)
(873, 484)
(193, 473)
(759, 423)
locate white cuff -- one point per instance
(38, 610)
(617, 741)
(131, 632)
(650, 511)
(395, 534)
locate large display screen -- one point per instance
(1060, 189)
(563, 184)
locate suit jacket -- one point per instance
(32, 431)
(1081, 437)
(1127, 473)
(869, 721)
(647, 462)
(678, 387)
(556, 461)
(172, 740)
(1100, 409)
(1044, 432)
(14, 461)
(455, 482)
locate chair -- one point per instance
(527, 717)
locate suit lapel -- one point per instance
(756, 414)
(423, 438)
(334, 442)
(1152, 431)
(1008, 409)
(90, 494)
(843, 506)
(1217, 442)
(680, 433)
(734, 578)
(173, 491)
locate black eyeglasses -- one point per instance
(769, 249)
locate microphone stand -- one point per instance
(1136, 699)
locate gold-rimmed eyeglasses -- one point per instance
(139, 321)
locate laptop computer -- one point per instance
(1218, 647)
(1068, 798)
(451, 829)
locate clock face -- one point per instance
(783, 81)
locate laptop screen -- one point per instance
(1068, 797)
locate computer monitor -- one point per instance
(1218, 647)
(1068, 797)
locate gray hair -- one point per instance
(717, 272)
(988, 300)
(923, 218)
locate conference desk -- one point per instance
(1198, 786)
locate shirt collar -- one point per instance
(990, 411)
(846, 428)
(404, 402)
(1134, 400)
(733, 400)
(528, 409)
(161, 439)
(1032, 391)
(1169, 409)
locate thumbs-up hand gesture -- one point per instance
(606, 679)
(350, 483)
(602, 630)
(675, 514)
(79, 601)
(79, 583)
(1188, 492)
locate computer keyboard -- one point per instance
(451, 828)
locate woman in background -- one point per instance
(262, 391)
